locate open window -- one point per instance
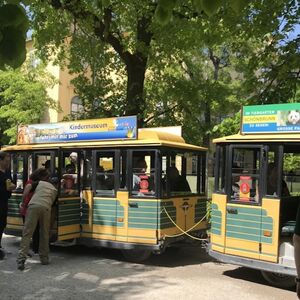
(183, 173)
(19, 171)
(245, 170)
(143, 173)
(105, 173)
(70, 173)
(220, 165)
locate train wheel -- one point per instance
(279, 280)
(136, 256)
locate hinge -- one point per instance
(259, 247)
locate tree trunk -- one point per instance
(207, 120)
(135, 101)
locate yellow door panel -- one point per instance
(218, 220)
(270, 229)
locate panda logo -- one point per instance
(293, 117)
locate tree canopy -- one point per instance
(172, 61)
(140, 42)
(14, 24)
(23, 98)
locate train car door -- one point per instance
(69, 198)
(244, 215)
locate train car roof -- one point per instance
(146, 138)
(257, 138)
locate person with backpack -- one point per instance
(39, 211)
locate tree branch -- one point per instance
(161, 113)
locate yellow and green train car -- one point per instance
(137, 195)
(256, 195)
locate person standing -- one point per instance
(27, 195)
(296, 240)
(6, 186)
(39, 211)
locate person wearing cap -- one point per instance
(73, 158)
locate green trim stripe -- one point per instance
(249, 224)
(216, 220)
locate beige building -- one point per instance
(62, 92)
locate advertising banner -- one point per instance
(80, 130)
(274, 118)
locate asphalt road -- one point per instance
(79, 272)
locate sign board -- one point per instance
(274, 118)
(80, 130)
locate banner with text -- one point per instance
(80, 130)
(273, 118)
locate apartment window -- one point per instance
(76, 105)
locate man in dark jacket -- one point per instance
(6, 186)
(297, 250)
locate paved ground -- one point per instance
(79, 272)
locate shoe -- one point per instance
(21, 265)
(2, 254)
(44, 261)
(5, 251)
(298, 287)
(30, 253)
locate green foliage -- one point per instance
(23, 99)
(211, 7)
(229, 126)
(291, 163)
(193, 71)
(13, 27)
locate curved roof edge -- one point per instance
(252, 138)
(146, 137)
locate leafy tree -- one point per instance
(144, 45)
(23, 99)
(13, 28)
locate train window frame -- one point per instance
(156, 173)
(115, 173)
(201, 181)
(260, 176)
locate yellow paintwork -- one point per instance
(239, 245)
(272, 206)
(14, 220)
(185, 222)
(87, 195)
(68, 232)
(14, 223)
(218, 241)
(244, 247)
(122, 232)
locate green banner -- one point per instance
(273, 118)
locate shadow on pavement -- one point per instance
(172, 257)
(251, 275)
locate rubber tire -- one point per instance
(136, 256)
(279, 280)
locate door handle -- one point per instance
(232, 211)
(133, 204)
